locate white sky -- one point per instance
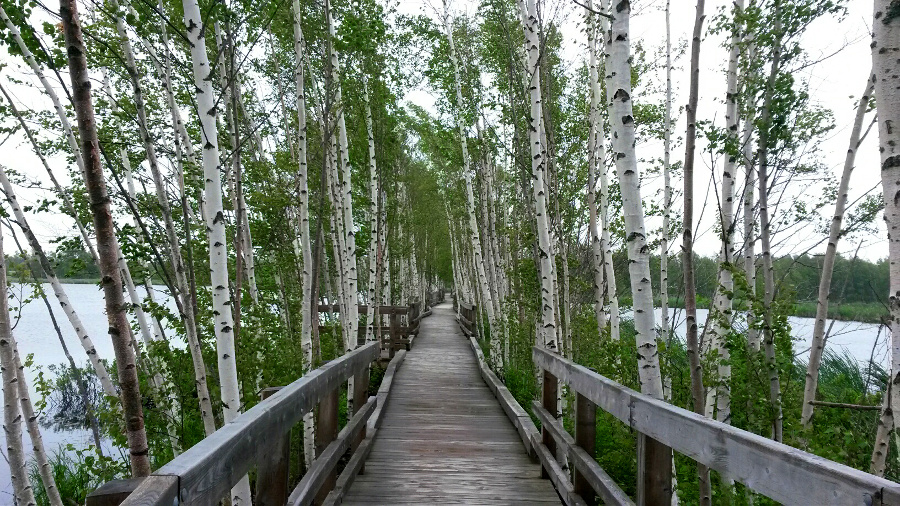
(833, 82)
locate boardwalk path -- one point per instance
(444, 438)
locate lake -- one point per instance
(35, 335)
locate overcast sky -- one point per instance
(842, 46)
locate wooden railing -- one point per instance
(778, 471)
(260, 437)
(401, 330)
(466, 318)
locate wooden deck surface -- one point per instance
(444, 438)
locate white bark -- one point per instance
(304, 238)
(886, 70)
(834, 235)
(58, 290)
(12, 416)
(474, 233)
(373, 219)
(528, 11)
(215, 225)
(667, 190)
(596, 163)
(618, 69)
(721, 317)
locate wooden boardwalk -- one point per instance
(444, 438)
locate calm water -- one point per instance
(36, 336)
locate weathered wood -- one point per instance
(586, 439)
(518, 416)
(326, 433)
(354, 467)
(209, 469)
(113, 493)
(443, 438)
(654, 479)
(155, 490)
(384, 390)
(597, 479)
(364, 308)
(549, 388)
(320, 478)
(273, 471)
(360, 396)
(765, 466)
(556, 475)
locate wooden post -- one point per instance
(113, 493)
(654, 472)
(274, 469)
(395, 333)
(326, 432)
(586, 438)
(548, 400)
(360, 396)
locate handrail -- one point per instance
(207, 471)
(778, 471)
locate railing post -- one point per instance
(586, 438)
(395, 333)
(326, 432)
(654, 472)
(273, 470)
(548, 400)
(360, 396)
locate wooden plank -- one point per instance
(443, 437)
(384, 390)
(155, 490)
(113, 493)
(274, 470)
(557, 475)
(210, 468)
(354, 467)
(765, 466)
(326, 433)
(586, 439)
(585, 464)
(364, 309)
(654, 479)
(314, 485)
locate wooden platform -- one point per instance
(444, 438)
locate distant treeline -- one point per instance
(855, 281)
(67, 264)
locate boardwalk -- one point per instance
(444, 438)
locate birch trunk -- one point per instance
(749, 231)
(307, 304)
(12, 416)
(346, 194)
(885, 48)
(605, 241)
(107, 245)
(881, 447)
(538, 168)
(596, 156)
(215, 225)
(834, 235)
(373, 219)
(765, 234)
(667, 191)
(720, 319)
(618, 70)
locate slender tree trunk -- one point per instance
(474, 233)
(596, 163)
(538, 168)
(374, 234)
(881, 447)
(765, 234)
(618, 69)
(885, 48)
(12, 416)
(687, 253)
(215, 224)
(667, 190)
(107, 246)
(834, 235)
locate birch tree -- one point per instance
(215, 226)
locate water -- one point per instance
(35, 335)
